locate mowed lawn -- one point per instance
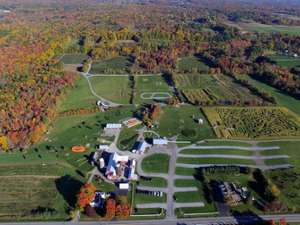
(120, 64)
(264, 28)
(73, 58)
(216, 151)
(220, 160)
(114, 89)
(78, 97)
(146, 85)
(157, 163)
(179, 121)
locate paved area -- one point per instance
(227, 156)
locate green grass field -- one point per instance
(78, 97)
(187, 183)
(225, 142)
(115, 89)
(154, 182)
(188, 196)
(179, 121)
(285, 61)
(73, 58)
(216, 151)
(142, 198)
(157, 163)
(263, 28)
(119, 64)
(127, 139)
(30, 198)
(214, 161)
(281, 98)
(146, 85)
(190, 64)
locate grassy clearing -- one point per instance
(30, 198)
(271, 162)
(157, 163)
(185, 171)
(188, 196)
(115, 89)
(225, 142)
(197, 211)
(255, 122)
(127, 139)
(179, 121)
(290, 148)
(78, 97)
(148, 85)
(285, 61)
(211, 90)
(73, 58)
(187, 183)
(216, 151)
(142, 198)
(263, 28)
(154, 182)
(190, 64)
(215, 161)
(281, 98)
(120, 64)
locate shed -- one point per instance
(113, 126)
(160, 141)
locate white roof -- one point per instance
(142, 146)
(160, 141)
(120, 158)
(124, 186)
(113, 126)
(103, 147)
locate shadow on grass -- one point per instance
(68, 187)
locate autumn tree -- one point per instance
(86, 195)
(110, 209)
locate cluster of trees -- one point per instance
(150, 114)
(119, 208)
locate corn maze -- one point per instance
(254, 122)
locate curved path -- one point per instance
(86, 77)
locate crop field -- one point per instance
(119, 64)
(30, 198)
(146, 86)
(179, 121)
(209, 89)
(73, 58)
(114, 89)
(190, 64)
(285, 61)
(263, 28)
(255, 122)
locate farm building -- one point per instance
(141, 147)
(113, 126)
(102, 147)
(132, 122)
(160, 141)
(120, 168)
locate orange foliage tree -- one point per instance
(110, 209)
(86, 195)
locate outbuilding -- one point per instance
(160, 141)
